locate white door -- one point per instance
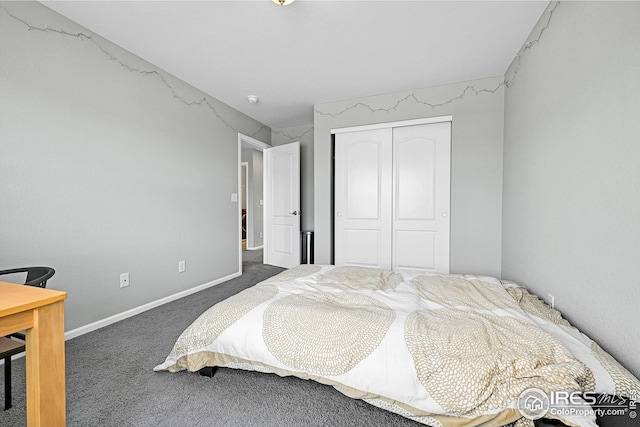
(362, 197)
(282, 205)
(391, 197)
(421, 193)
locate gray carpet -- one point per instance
(110, 378)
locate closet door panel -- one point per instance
(362, 218)
(364, 170)
(415, 250)
(415, 178)
(362, 248)
(421, 193)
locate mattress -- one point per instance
(443, 350)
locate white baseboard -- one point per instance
(256, 248)
(141, 309)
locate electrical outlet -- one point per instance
(182, 266)
(261, 234)
(124, 280)
(552, 300)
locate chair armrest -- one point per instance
(19, 336)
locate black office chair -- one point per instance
(36, 276)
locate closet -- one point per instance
(392, 195)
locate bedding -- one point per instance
(444, 350)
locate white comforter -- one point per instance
(442, 350)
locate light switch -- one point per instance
(234, 197)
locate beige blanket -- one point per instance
(443, 350)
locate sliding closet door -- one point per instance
(362, 197)
(421, 193)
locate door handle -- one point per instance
(295, 213)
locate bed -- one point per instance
(443, 350)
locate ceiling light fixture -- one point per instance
(253, 99)
(282, 2)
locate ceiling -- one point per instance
(312, 52)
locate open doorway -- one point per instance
(250, 208)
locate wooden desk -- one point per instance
(41, 313)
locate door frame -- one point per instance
(249, 220)
(247, 141)
(398, 124)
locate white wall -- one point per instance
(571, 220)
(105, 169)
(476, 163)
